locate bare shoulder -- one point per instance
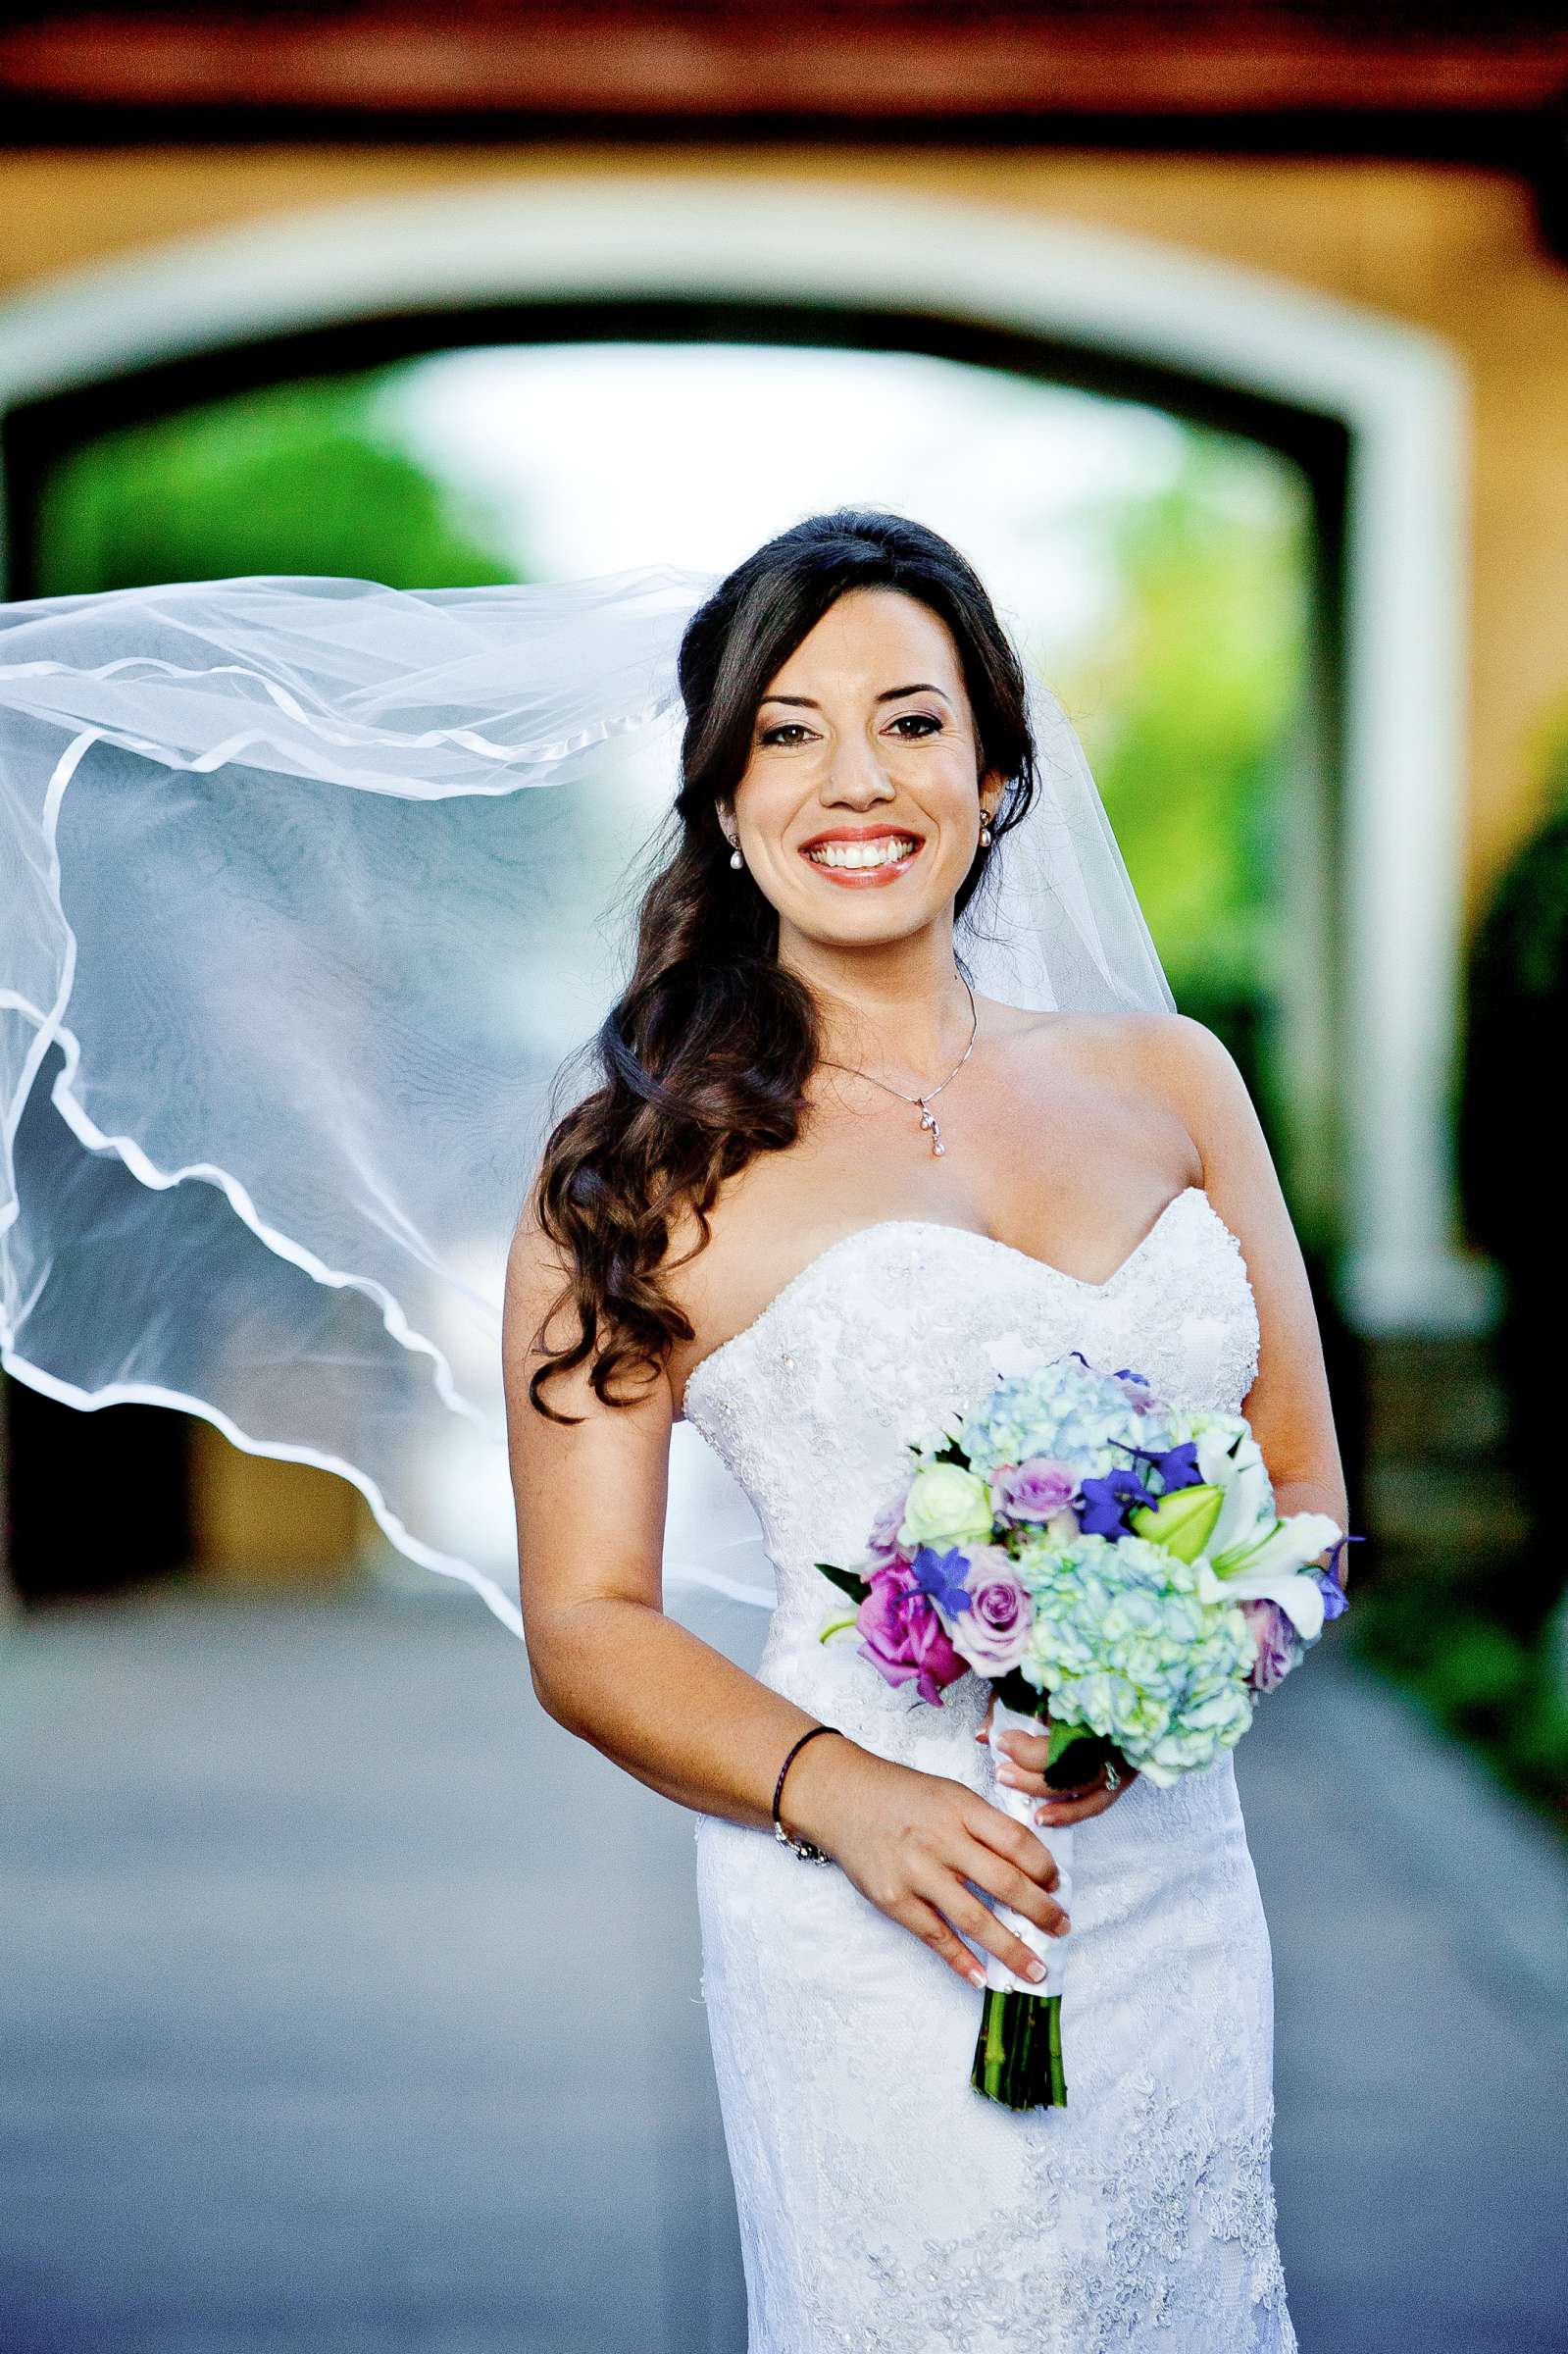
(1170, 1061)
(1186, 1060)
(1146, 1040)
(1158, 1086)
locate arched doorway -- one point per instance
(1370, 414)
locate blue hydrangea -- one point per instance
(1125, 1644)
(1063, 1409)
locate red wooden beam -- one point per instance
(892, 60)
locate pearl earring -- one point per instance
(735, 858)
(984, 837)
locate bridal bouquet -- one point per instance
(1114, 1567)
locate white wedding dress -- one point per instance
(887, 2208)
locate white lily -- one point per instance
(1269, 1568)
(1243, 1480)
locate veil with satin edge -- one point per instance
(306, 888)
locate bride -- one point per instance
(895, 1076)
(821, 1174)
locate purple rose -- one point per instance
(993, 1630)
(903, 1636)
(1031, 1490)
(1275, 1638)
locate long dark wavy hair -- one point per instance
(703, 1061)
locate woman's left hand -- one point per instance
(1020, 1766)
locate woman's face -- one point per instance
(859, 811)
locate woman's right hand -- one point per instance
(912, 1842)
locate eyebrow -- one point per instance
(889, 694)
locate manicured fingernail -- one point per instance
(976, 1977)
(1037, 1971)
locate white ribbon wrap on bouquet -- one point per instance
(1021, 1807)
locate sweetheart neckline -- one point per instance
(972, 1234)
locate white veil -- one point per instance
(298, 927)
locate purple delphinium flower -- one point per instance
(1107, 1501)
(942, 1575)
(902, 1635)
(1031, 1490)
(1335, 1597)
(1176, 1468)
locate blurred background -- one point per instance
(347, 2004)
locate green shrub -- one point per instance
(297, 478)
(1477, 1674)
(1538, 1748)
(1516, 1025)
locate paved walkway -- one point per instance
(350, 2008)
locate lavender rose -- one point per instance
(884, 1548)
(902, 1635)
(1032, 1489)
(1276, 1639)
(992, 1632)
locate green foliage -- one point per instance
(1203, 670)
(854, 1585)
(1476, 1679)
(1540, 1749)
(1482, 1656)
(1478, 1676)
(1518, 1010)
(1516, 1023)
(296, 479)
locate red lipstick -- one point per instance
(864, 878)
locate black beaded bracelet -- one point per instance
(803, 1848)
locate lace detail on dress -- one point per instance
(884, 2207)
(1145, 2274)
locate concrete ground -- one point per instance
(350, 2008)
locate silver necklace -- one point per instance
(927, 1118)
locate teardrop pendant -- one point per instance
(928, 1119)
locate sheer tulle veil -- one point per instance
(310, 888)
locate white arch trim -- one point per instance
(1401, 392)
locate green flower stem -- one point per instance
(1058, 2079)
(1018, 2054)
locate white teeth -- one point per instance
(862, 854)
